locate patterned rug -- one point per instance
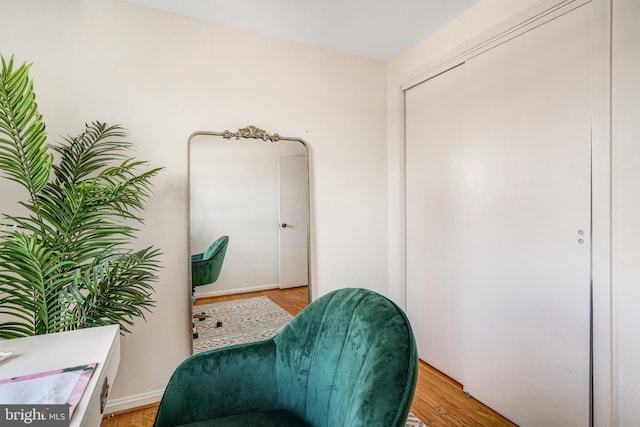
(246, 320)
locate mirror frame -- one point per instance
(249, 132)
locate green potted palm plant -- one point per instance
(65, 261)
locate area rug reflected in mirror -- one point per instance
(243, 321)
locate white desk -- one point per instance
(66, 349)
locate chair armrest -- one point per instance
(220, 382)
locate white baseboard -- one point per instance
(129, 402)
(236, 291)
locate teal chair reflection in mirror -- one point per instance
(348, 359)
(205, 269)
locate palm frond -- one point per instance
(24, 156)
(31, 278)
(117, 290)
(95, 148)
(127, 189)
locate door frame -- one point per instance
(602, 413)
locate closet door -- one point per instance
(498, 219)
(436, 205)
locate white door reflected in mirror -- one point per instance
(292, 186)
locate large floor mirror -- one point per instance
(248, 214)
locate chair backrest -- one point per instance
(349, 359)
(206, 269)
(217, 248)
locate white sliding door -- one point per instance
(436, 241)
(498, 223)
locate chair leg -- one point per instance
(201, 316)
(218, 321)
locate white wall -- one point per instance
(164, 77)
(626, 211)
(234, 192)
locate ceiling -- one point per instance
(378, 29)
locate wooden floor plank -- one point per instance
(149, 416)
(439, 401)
(125, 419)
(137, 419)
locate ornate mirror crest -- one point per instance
(251, 132)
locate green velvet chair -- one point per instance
(206, 266)
(347, 360)
(205, 269)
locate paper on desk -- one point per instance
(52, 387)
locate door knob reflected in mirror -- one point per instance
(283, 225)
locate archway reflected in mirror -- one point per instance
(254, 188)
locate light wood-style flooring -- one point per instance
(439, 401)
